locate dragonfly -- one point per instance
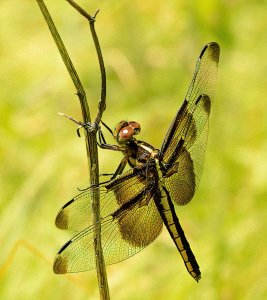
(136, 204)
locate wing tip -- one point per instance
(62, 220)
(214, 51)
(60, 265)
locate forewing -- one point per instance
(134, 225)
(183, 151)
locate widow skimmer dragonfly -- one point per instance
(135, 204)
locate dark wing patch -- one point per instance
(181, 184)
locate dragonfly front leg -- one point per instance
(102, 142)
(103, 145)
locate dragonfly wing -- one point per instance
(183, 151)
(134, 225)
(76, 214)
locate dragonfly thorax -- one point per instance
(140, 153)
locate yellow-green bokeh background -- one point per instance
(150, 49)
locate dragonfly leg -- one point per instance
(121, 167)
(106, 174)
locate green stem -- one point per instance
(90, 137)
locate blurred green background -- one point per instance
(150, 50)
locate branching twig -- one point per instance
(90, 137)
(91, 19)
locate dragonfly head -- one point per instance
(124, 131)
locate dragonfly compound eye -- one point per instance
(125, 134)
(136, 127)
(118, 128)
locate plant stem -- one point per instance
(90, 137)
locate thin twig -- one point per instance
(91, 19)
(90, 137)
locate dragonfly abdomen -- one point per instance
(170, 219)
